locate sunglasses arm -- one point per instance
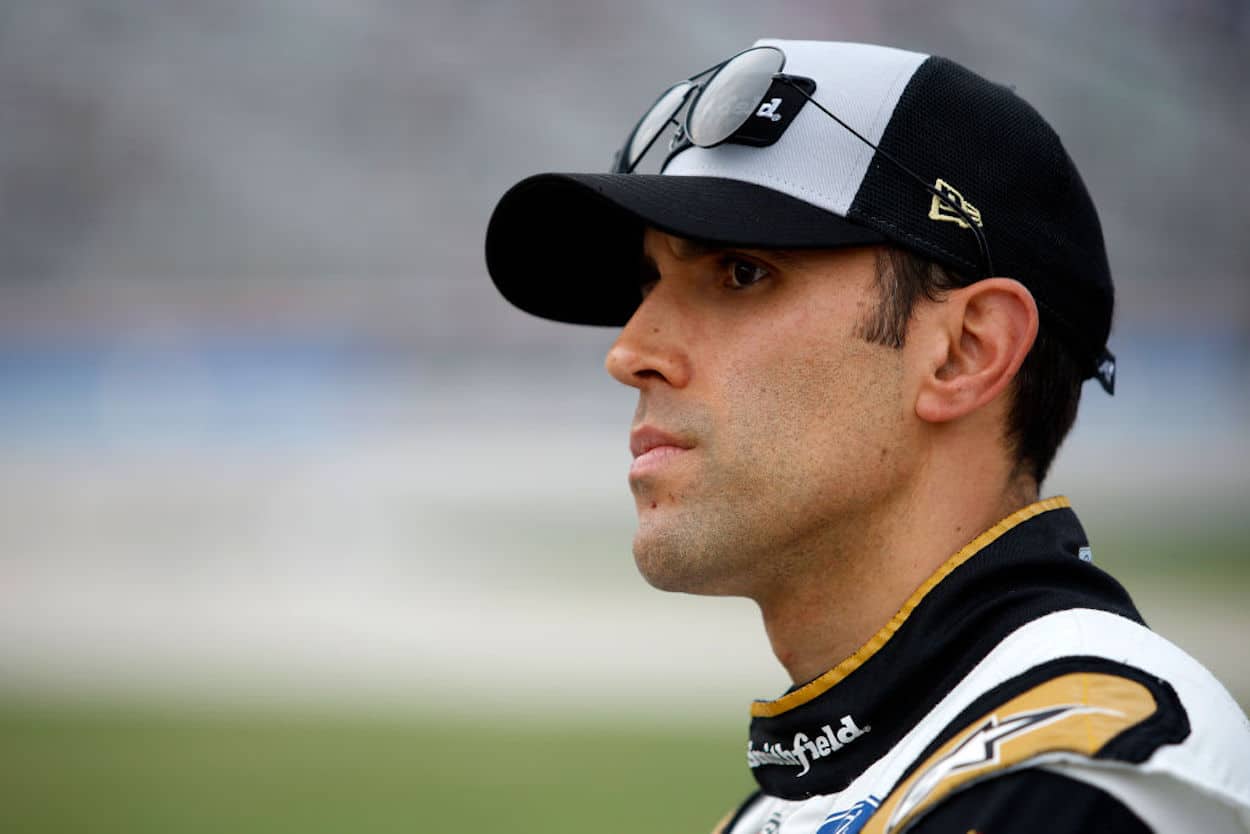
(946, 201)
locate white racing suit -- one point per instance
(1017, 692)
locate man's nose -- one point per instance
(650, 350)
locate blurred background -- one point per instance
(303, 528)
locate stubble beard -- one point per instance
(725, 530)
(684, 547)
(714, 537)
(752, 525)
(769, 495)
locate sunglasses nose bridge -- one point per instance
(678, 137)
(651, 125)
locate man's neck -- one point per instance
(863, 576)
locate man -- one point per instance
(858, 305)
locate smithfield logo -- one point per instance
(805, 749)
(852, 819)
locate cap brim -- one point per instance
(567, 246)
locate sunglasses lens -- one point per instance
(732, 94)
(655, 120)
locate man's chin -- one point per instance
(674, 560)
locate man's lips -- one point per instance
(652, 448)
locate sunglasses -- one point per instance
(722, 100)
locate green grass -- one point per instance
(134, 770)
(1203, 553)
(110, 769)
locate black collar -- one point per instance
(818, 737)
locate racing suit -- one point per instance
(1018, 690)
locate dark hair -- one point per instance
(1047, 388)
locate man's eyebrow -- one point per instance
(688, 249)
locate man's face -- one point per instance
(766, 426)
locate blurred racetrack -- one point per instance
(271, 441)
(339, 529)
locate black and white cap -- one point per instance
(567, 246)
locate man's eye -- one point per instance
(743, 274)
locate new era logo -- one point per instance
(943, 208)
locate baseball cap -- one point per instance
(566, 246)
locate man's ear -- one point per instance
(983, 332)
